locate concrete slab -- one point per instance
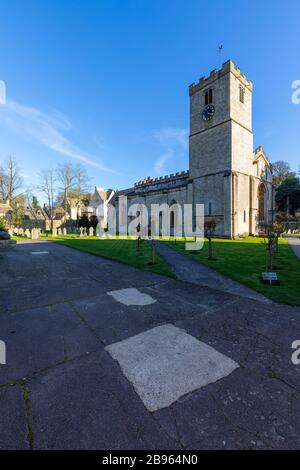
(113, 321)
(165, 363)
(131, 296)
(13, 428)
(88, 404)
(41, 338)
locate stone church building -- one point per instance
(231, 179)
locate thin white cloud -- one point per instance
(47, 130)
(160, 163)
(174, 141)
(172, 136)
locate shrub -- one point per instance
(3, 225)
(4, 235)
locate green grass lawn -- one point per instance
(119, 249)
(244, 260)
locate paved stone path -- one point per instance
(187, 269)
(66, 386)
(295, 244)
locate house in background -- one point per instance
(5, 209)
(98, 204)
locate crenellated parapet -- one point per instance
(227, 67)
(162, 179)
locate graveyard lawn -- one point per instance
(244, 261)
(119, 249)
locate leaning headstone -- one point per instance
(64, 231)
(91, 231)
(99, 230)
(34, 234)
(54, 232)
(59, 232)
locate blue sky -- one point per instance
(106, 82)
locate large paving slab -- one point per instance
(56, 318)
(165, 363)
(42, 337)
(13, 422)
(87, 403)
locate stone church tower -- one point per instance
(232, 181)
(221, 159)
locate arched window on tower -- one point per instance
(208, 96)
(242, 94)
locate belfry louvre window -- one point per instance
(208, 96)
(242, 94)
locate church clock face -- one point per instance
(208, 112)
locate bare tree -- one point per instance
(81, 185)
(66, 178)
(270, 241)
(209, 233)
(10, 179)
(2, 183)
(47, 187)
(281, 170)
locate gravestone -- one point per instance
(81, 232)
(54, 232)
(64, 231)
(99, 230)
(91, 231)
(11, 232)
(59, 232)
(21, 232)
(27, 233)
(34, 234)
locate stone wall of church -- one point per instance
(210, 151)
(212, 192)
(242, 149)
(241, 203)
